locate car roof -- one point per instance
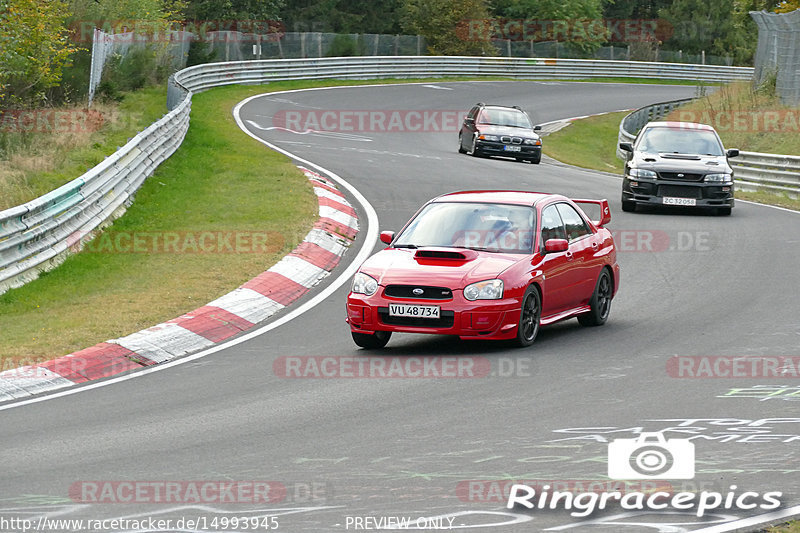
(680, 125)
(515, 108)
(528, 198)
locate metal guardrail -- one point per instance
(39, 234)
(632, 123)
(752, 170)
(200, 77)
(771, 172)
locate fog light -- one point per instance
(726, 189)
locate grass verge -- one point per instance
(791, 527)
(585, 143)
(44, 149)
(219, 180)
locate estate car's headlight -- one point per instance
(364, 284)
(718, 178)
(485, 137)
(641, 173)
(535, 142)
(491, 289)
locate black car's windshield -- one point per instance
(504, 117)
(680, 140)
(479, 226)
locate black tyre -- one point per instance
(536, 160)
(461, 145)
(529, 317)
(600, 302)
(628, 206)
(724, 211)
(371, 341)
(473, 151)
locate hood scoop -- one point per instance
(440, 254)
(687, 157)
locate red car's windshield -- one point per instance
(479, 226)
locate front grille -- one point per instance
(428, 293)
(506, 139)
(680, 176)
(445, 320)
(680, 192)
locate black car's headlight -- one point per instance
(535, 142)
(364, 284)
(485, 137)
(722, 178)
(641, 173)
(491, 289)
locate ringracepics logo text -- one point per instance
(650, 456)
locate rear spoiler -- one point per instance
(605, 212)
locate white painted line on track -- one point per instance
(737, 525)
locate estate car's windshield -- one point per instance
(504, 117)
(479, 226)
(679, 140)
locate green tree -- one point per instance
(718, 27)
(34, 46)
(576, 22)
(233, 10)
(343, 16)
(447, 25)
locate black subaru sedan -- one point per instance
(680, 164)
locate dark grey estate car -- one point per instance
(500, 130)
(678, 163)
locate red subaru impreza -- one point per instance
(487, 265)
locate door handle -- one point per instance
(595, 245)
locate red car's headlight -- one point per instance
(364, 284)
(491, 289)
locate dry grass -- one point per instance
(52, 146)
(747, 118)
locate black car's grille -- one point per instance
(680, 176)
(680, 192)
(506, 139)
(445, 321)
(428, 293)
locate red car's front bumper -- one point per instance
(481, 319)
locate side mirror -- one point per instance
(537, 128)
(626, 147)
(387, 237)
(556, 245)
(469, 120)
(733, 152)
